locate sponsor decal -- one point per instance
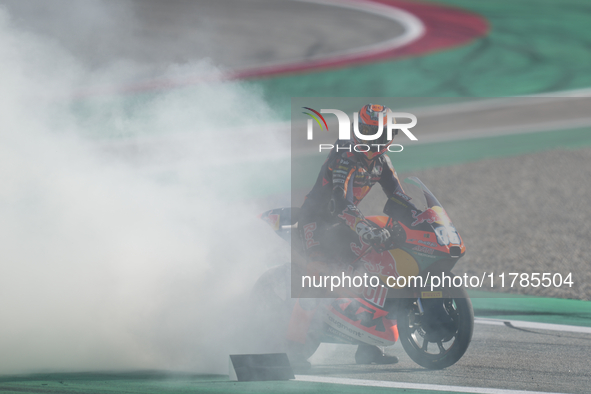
(339, 335)
(423, 249)
(402, 195)
(376, 263)
(273, 220)
(364, 316)
(346, 327)
(398, 202)
(372, 293)
(309, 235)
(431, 294)
(426, 255)
(429, 216)
(360, 192)
(351, 220)
(376, 295)
(431, 244)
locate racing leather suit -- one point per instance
(329, 221)
(329, 218)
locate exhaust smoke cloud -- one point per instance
(111, 261)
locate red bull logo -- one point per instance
(428, 216)
(273, 220)
(309, 235)
(349, 219)
(377, 263)
(360, 192)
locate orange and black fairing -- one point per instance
(430, 230)
(281, 220)
(365, 318)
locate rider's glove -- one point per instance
(397, 235)
(376, 237)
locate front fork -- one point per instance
(420, 305)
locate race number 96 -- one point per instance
(446, 235)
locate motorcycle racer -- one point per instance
(329, 220)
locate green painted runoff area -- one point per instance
(533, 46)
(497, 306)
(156, 382)
(536, 309)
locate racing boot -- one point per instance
(369, 354)
(297, 358)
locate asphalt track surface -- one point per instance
(233, 34)
(527, 211)
(499, 357)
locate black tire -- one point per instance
(447, 325)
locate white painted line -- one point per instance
(582, 92)
(414, 28)
(411, 386)
(534, 325)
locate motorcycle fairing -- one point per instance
(406, 266)
(361, 320)
(393, 262)
(282, 220)
(424, 238)
(441, 220)
(330, 334)
(430, 228)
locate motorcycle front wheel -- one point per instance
(439, 336)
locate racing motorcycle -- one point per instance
(433, 323)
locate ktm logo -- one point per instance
(366, 316)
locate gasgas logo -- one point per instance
(345, 129)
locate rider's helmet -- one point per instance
(368, 124)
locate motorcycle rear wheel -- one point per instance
(450, 342)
